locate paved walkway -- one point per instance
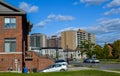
(111, 71)
(86, 68)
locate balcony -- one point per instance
(28, 56)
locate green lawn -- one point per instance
(69, 73)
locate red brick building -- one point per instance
(14, 29)
(35, 62)
(54, 41)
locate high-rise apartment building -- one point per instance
(38, 40)
(72, 38)
(69, 39)
(82, 35)
(91, 37)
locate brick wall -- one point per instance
(11, 33)
(7, 59)
(37, 62)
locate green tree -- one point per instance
(81, 49)
(116, 48)
(57, 55)
(87, 47)
(98, 51)
(105, 51)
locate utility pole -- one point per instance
(67, 53)
(57, 53)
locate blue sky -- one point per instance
(101, 17)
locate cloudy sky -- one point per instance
(101, 17)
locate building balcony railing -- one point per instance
(28, 56)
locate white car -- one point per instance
(61, 62)
(95, 61)
(56, 68)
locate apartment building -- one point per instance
(91, 37)
(37, 40)
(54, 41)
(72, 38)
(69, 39)
(14, 30)
(82, 36)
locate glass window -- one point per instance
(10, 45)
(10, 23)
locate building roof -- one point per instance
(6, 8)
(79, 30)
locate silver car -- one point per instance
(61, 62)
(55, 68)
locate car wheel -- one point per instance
(62, 70)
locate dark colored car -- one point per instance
(87, 61)
(91, 61)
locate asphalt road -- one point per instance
(100, 66)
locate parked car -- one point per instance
(95, 61)
(56, 68)
(87, 61)
(61, 62)
(91, 61)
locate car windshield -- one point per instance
(59, 61)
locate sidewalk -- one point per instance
(78, 68)
(86, 68)
(111, 71)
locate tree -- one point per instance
(105, 51)
(87, 47)
(116, 48)
(57, 55)
(98, 51)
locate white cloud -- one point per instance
(105, 26)
(101, 39)
(113, 3)
(76, 3)
(106, 30)
(43, 23)
(60, 17)
(93, 2)
(53, 17)
(113, 11)
(27, 7)
(65, 29)
(64, 18)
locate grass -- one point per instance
(69, 73)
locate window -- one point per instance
(10, 23)
(10, 45)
